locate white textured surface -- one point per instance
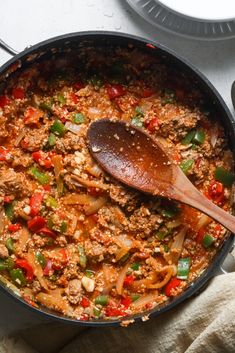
(27, 22)
(209, 9)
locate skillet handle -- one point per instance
(228, 265)
(7, 48)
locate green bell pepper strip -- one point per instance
(207, 240)
(51, 203)
(40, 259)
(9, 211)
(63, 227)
(18, 277)
(46, 106)
(82, 256)
(89, 273)
(183, 268)
(135, 266)
(188, 138)
(199, 137)
(96, 81)
(186, 165)
(96, 312)
(170, 211)
(61, 99)
(9, 243)
(9, 263)
(161, 235)
(139, 111)
(102, 300)
(58, 128)
(79, 118)
(166, 248)
(134, 297)
(2, 265)
(41, 177)
(136, 121)
(51, 140)
(224, 177)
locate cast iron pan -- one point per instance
(103, 38)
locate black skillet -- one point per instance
(105, 39)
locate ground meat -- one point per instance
(4, 131)
(70, 142)
(3, 252)
(21, 159)
(123, 196)
(35, 138)
(143, 221)
(175, 122)
(73, 291)
(200, 168)
(36, 287)
(13, 183)
(112, 217)
(95, 250)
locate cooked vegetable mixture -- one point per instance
(72, 238)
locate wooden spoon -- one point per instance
(134, 158)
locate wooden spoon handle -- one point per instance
(191, 196)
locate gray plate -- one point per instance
(161, 16)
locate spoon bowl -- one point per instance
(133, 157)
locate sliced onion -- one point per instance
(54, 300)
(74, 128)
(214, 135)
(10, 285)
(121, 278)
(179, 239)
(168, 270)
(88, 183)
(95, 206)
(94, 170)
(37, 269)
(146, 299)
(94, 110)
(176, 247)
(203, 221)
(19, 138)
(24, 237)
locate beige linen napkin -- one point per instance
(204, 323)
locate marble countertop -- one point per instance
(26, 22)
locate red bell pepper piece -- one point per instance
(85, 302)
(42, 159)
(7, 199)
(128, 280)
(78, 85)
(4, 154)
(73, 97)
(25, 266)
(46, 231)
(32, 116)
(60, 259)
(36, 224)
(115, 91)
(35, 203)
(18, 93)
(147, 92)
(14, 227)
(216, 191)
(48, 268)
(114, 312)
(152, 124)
(200, 235)
(126, 302)
(172, 284)
(4, 101)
